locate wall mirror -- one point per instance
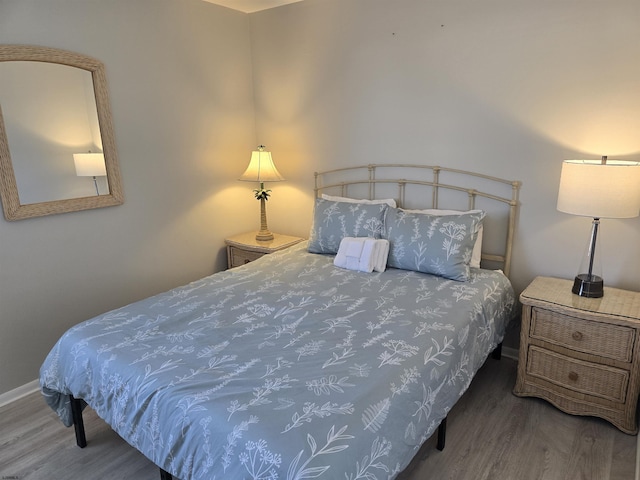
(54, 109)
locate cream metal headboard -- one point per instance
(385, 174)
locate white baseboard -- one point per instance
(18, 393)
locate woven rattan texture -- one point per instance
(581, 354)
(556, 295)
(604, 339)
(602, 381)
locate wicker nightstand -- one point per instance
(581, 354)
(244, 248)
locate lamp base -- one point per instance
(586, 285)
(264, 236)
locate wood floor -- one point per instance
(491, 435)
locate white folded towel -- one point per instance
(362, 254)
(381, 255)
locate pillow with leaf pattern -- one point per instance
(332, 221)
(437, 244)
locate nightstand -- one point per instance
(244, 248)
(581, 354)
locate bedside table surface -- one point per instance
(557, 291)
(247, 241)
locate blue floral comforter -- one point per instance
(288, 367)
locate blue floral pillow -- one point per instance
(440, 245)
(332, 221)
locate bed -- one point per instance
(291, 367)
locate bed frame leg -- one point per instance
(81, 439)
(442, 428)
(442, 433)
(497, 353)
(78, 423)
(164, 475)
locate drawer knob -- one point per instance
(577, 336)
(573, 376)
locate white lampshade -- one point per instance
(595, 189)
(261, 168)
(89, 164)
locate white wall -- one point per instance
(507, 88)
(179, 76)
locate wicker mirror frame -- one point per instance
(9, 195)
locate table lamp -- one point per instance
(598, 189)
(90, 165)
(261, 169)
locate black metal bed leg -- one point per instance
(497, 352)
(442, 428)
(442, 434)
(78, 423)
(164, 475)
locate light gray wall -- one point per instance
(505, 88)
(500, 87)
(179, 75)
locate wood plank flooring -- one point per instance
(491, 435)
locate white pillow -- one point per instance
(389, 201)
(476, 255)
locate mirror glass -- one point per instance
(54, 106)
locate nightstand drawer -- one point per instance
(240, 257)
(584, 377)
(587, 336)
